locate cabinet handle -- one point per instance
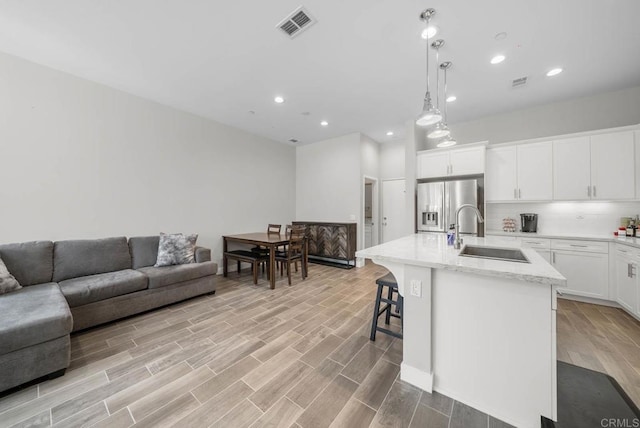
(589, 191)
(519, 193)
(594, 191)
(576, 245)
(628, 270)
(553, 257)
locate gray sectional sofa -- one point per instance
(73, 285)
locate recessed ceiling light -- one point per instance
(451, 98)
(500, 36)
(497, 59)
(324, 123)
(554, 72)
(389, 134)
(278, 99)
(429, 32)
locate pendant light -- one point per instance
(430, 115)
(447, 141)
(441, 130)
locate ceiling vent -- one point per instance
(297, 21)
(521, 81)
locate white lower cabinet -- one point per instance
(587, 273)
(627, 283)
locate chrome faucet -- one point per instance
(458, 241)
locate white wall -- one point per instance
(601, 111)
(392, 160)
(328, 180)
(81, 160)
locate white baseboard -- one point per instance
(416, 377)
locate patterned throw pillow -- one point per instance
(7, 281)
(176, 249)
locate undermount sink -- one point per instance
(494, 253)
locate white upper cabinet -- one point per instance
(535, 172)
(462, 161)
(519, 173)
(612, 166)
(501, 179)
(467, 161)
(600, 167)
(572, 169)
(433, 165)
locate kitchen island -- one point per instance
(478, 330)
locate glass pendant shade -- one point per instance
(441, 130)
(430, 115)
(447, 142)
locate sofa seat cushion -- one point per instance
(33, 315)
(168, 275)
(93, 288)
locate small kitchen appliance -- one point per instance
(529, 222)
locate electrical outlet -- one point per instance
(416, 287)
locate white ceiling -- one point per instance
(361, 67)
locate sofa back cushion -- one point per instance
(144, 250)
(73, 259)
(29, 262)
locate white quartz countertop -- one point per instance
(625, 240)
(431, 250)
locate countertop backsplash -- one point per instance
(589, 217)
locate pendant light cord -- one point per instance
(426, 30)
(445, 94)
(437, 76)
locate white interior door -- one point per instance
(393, 209)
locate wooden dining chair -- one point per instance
(294, 253)
(272, 229)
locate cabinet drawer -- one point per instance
(537, 243)
(624, 250)
(575, 245)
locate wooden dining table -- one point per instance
(269, 240)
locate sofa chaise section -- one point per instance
(35, 321)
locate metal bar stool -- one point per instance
(390, 282)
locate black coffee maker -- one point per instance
(529, 222)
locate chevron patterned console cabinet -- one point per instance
(331, 241)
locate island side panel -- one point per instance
(416, 367)
(494, 345)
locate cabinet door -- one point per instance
(500, 178)
(637, 145)
(587, 273)
(433, 165)
(546, 255)
(572, 169)
(612, 166)
(626, 283)
(467, 161)
(535, 172)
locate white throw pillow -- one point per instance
(176, 249)
(7, 282)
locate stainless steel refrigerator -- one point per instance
(437, 202)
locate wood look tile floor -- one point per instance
(295, 356)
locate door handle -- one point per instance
(589, 191)
(594, 191)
